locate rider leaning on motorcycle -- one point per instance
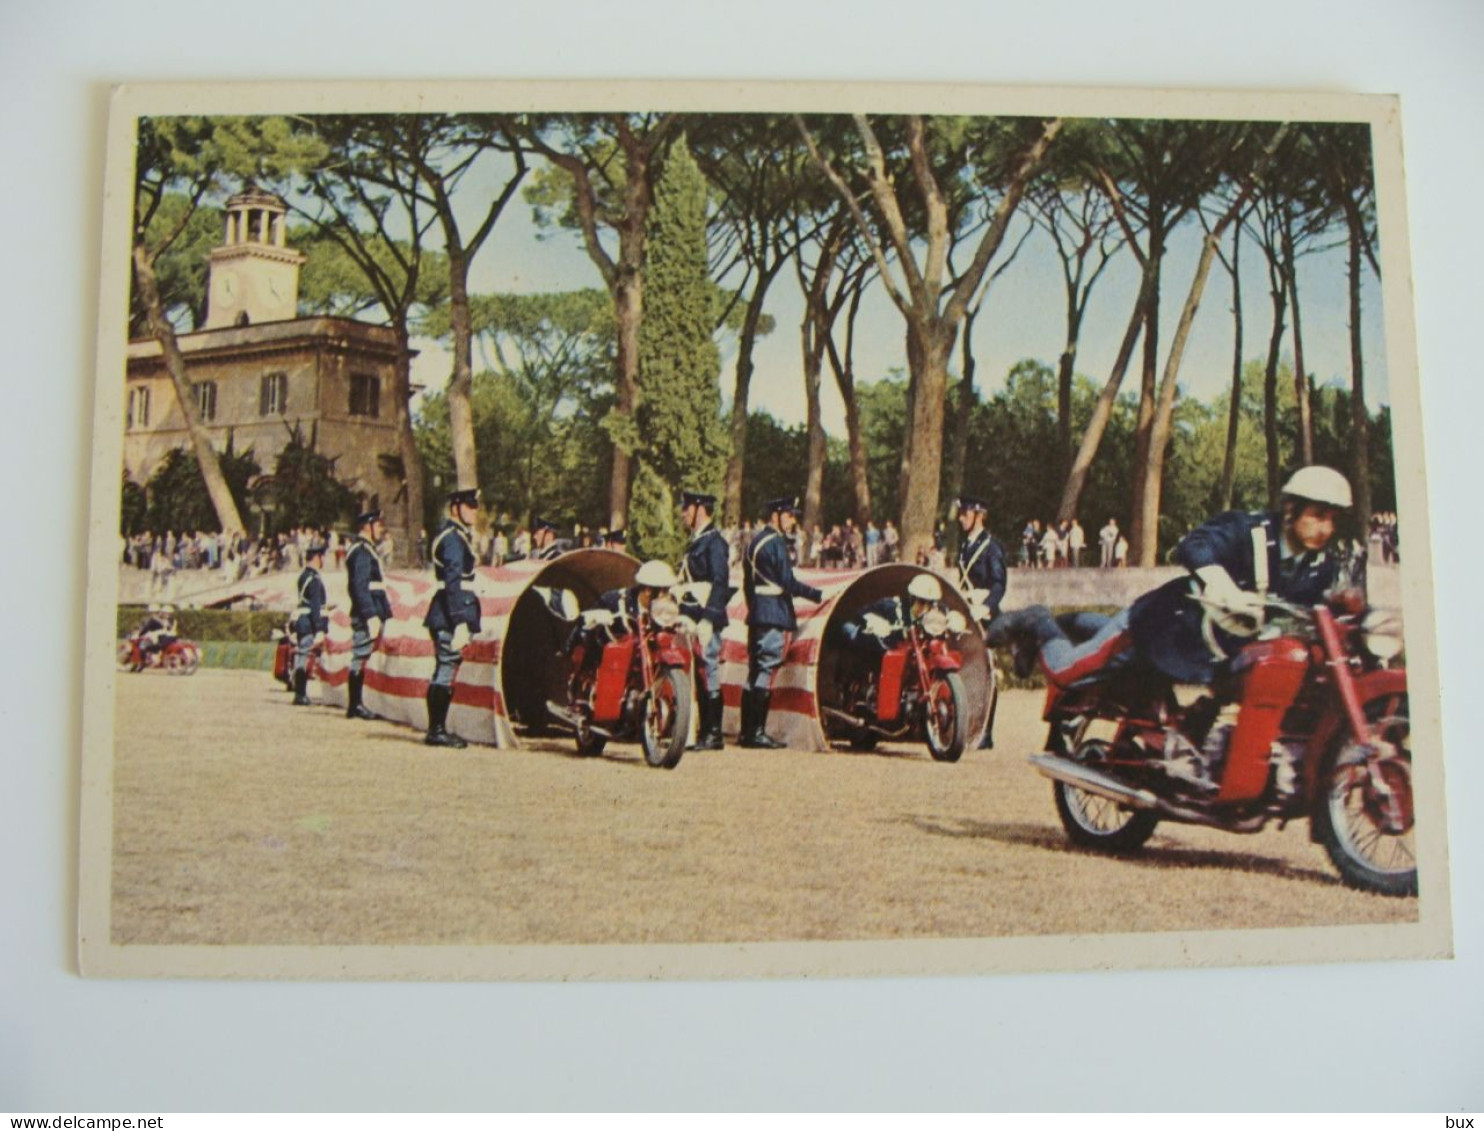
(156, 633)
(1188, 627)
(654, 577)
(882, 625)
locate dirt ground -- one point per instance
(242, 820)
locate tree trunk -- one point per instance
(1359, 415)
(628, 307)
(925, 427)
(737, 461)
(206, 457)
(812, 334)
(1270, 393)
(963, 409)
(407, 536)
(1066, 368)
(844, 370)
(1300, 378)
(914, 368)
(1144, 425)
(461, 381)
(1102, 411)
(1234, 415)
(1164, 417)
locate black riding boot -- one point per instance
(758, 738)
(708, 734)
(438, 700)
(301, 685)
(354, 709)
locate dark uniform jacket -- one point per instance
(367, 584)
(453, 562)
(706, 559)
(555, 550)
(309, 615)
(770, 585)
(981, 565)
(1168, 624)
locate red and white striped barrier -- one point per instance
(494, 700)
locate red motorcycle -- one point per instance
(283, 659)
(1309, 720)
(179, 657)
(915, 692)
(637, 686)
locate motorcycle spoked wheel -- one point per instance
(665, 725)
(1096, 822)
(182, 661)
(125, 658)
(944, 718)
(1368, 832)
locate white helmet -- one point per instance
(656, 574)
(1318, 484)
(925, 587)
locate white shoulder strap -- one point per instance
(1260, 556)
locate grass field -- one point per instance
(242, 820)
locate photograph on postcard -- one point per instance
(804, 516)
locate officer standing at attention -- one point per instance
(310, 622)
(705, 572)
(369, 607)
(453, 613)
(982, 577)
(545, 543)
(769, 583)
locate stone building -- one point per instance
(258, 370)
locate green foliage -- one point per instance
(679, 412)
(133, 507)
(305, 491)
(177, 497)
(653, 521)
(203, 625)
(180, 270)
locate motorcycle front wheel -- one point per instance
(666, 723)
(1096, 822)
(182, 661)
(944, 722)
(1363, 814)
(125, 659)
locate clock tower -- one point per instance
(254, 276)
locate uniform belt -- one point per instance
(443, 586)
(768, 590)
(377, 586)
(301, 611)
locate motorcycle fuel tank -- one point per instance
(612, 680)
(1274, 671)
(889, 690)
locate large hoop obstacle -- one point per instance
(517, 661)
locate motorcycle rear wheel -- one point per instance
(665, 727)
(1368, 835)
(944, 720)
(1096, 822)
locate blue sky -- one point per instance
(1023, 317)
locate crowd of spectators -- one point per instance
(1385, 542)
(163, 556)
(1063, 545)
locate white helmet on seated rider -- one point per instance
(1318, 484)
(925, 587)
(656, 574)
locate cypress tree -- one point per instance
(683, 442)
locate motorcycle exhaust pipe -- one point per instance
(571, 721)
(846, 718)
(1085, 778)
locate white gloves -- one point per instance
(461, 636)
(1222, 591)
(319, 639)
(877, 625)
(374, 626)
(704, 630)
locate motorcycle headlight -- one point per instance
(934, 622)
(664, 612)
(1382, 637)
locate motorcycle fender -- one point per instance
(612, 680)
(1269, 687)
(889, 690)
(669, 653)
(942, 658)
(1371, 685)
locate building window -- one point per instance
(139, 406)
(206, 401)
(365, 395)
(273, 394)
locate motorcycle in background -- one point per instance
(914, 692)
(1310, 719)
(637, 686)
(179, 657)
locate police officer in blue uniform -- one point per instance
(705, 574)
(770, 586)
(370, 610)
(453, 613)
(1188, 628)
(545, 545)
(982, 576)
(310, 622)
